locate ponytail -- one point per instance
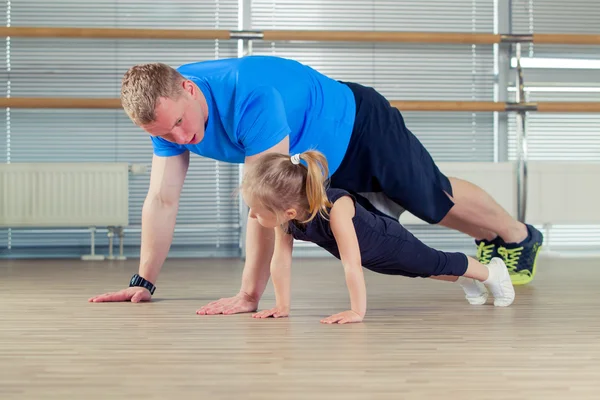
(278, 181)
(317, 173)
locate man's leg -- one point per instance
(477, 214)
(496, 232)
(487, 241)
(417, 184)
(385, 156)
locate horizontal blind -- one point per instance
(401, 71)
(411, 15)
(208, 220)
(557, 16)
(157, 14)
(561, 136)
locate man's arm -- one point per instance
(281, 271)
(260, 243)
(262, 128)
(281, 266)
(159, 214)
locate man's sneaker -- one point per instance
(487, 250)
(521, 258)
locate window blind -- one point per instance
(208, 222)
(560, 136)
(557, 16)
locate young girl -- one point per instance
(293, 199)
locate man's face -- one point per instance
(182, 120)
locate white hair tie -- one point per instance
(295, 159)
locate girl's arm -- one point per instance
(281, 266)
(342, 227)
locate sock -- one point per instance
(499, 283)
(494, 240)
(522, 242)
(528, 238)
(475, 291)
(470, 286)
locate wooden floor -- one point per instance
(420, 339)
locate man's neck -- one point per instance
(203, 103)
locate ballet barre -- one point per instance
(403, 105)
(299, 35)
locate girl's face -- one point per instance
(265, 217)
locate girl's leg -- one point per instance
(418, 259)
(476, 270)
(447, 278)
(475, 291)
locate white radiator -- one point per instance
(64, 194)
(557, 192)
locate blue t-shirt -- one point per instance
(255, 101)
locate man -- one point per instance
(234, 110)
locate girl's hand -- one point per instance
(277, 312)
(343, 318)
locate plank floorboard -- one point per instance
(420, 338)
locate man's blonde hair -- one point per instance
(143, 85)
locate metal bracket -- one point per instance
(511, 38)
(247, 35)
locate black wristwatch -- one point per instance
(137, 280)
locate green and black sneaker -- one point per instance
(521, 258)
(487, 250)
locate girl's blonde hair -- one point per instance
(278, 183)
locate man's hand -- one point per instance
(277, 312)
(240, 303)
(343, 318)
(133, 294)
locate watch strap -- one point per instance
(137, 280)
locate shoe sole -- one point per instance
(519, 280)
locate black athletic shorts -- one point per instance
(384, 156)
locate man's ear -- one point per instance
(189, 87)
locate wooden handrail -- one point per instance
(60, 102)
(115, 33)
(561, 38)
(370, 36)
(568, 107)
(303, 35)
(473, 106)
(404, 105)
